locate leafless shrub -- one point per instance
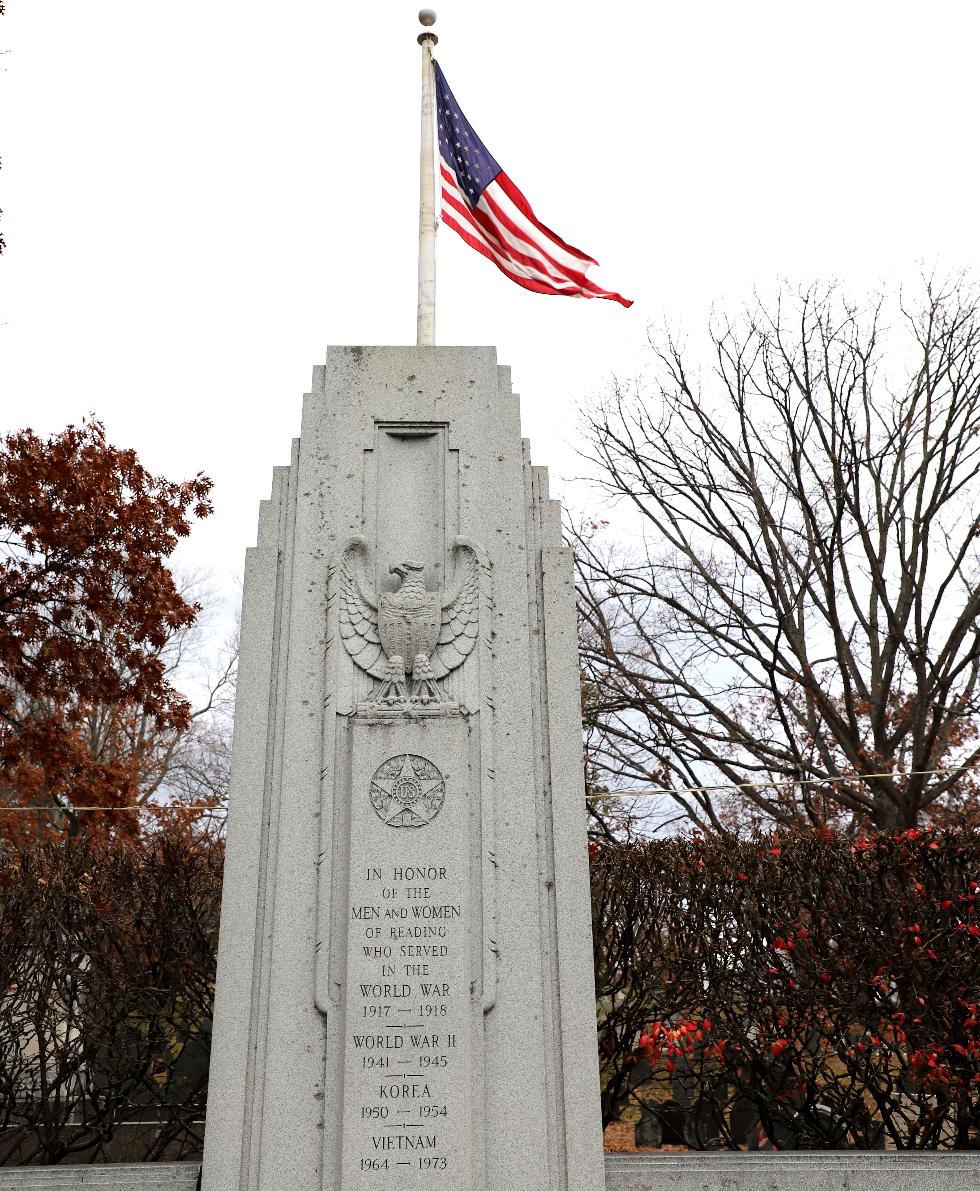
(107, 955)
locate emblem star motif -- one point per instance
(406, 791)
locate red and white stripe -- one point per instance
(505, 230)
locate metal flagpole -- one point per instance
(427, 190)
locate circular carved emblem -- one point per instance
(407, 791)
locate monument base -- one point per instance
(801, 1171)
(850, 1171)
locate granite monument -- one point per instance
(405, 995)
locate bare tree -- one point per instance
(193, 766)
(610, 819)
(798, 611)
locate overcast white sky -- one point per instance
(200, 196)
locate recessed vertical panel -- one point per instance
(410, 462)
(407, 1097)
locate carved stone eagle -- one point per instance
(411, 630)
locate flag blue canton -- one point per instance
(483, 206)
(459, 145)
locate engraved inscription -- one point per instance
(409, 1003)
(407, 791)
(408, 945)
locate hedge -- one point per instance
(107, 958)
(811, 992)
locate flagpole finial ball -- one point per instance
(427, 17)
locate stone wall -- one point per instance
(624, 1172)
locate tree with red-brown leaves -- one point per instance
(87, 604)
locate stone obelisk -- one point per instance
(405, 994)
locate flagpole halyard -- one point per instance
(426, 317)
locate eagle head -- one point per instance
(403, 569)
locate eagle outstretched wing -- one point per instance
(359, 613)
(460, 613)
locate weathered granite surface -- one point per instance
(624, 1172)
(405, 993)
(145, 1176)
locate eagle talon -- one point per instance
(424, 689)
(394, 685)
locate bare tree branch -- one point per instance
(801, 596)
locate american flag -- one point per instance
(484, 206)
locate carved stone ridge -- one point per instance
(410, 638)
